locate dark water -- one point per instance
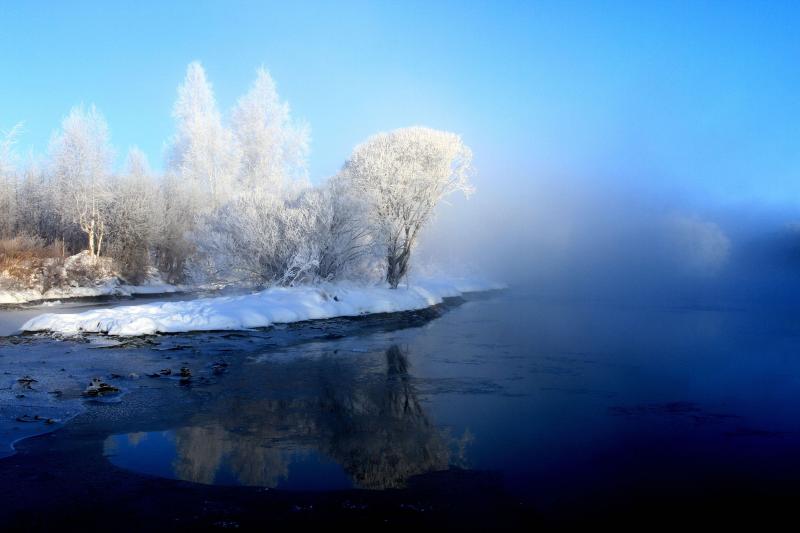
(571, 408)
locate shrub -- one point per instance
(22, 255)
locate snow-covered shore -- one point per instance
(260, 309)
(77, 276)
(108, 288)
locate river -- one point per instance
(505, 406)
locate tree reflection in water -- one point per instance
(366, 417)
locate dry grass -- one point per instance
(22, 255)
(28, 263)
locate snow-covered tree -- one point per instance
(402, 175)
(177, 211)
(133, 219)
(257, 238)
(8, 181)
(274, 148)
(81, 158)
(136, 164)
(202, 165)
(261, 235)
(338, 239)
(234, 203)
(203, 153)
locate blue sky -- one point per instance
(699, 96)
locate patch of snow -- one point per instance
(110, 287)
(19, 297)
(260, 309)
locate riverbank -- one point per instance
(110, 288)
(277, 305)
(45, 279)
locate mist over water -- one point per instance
(606, 239)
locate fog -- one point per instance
(580, 238)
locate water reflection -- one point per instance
(320, 422)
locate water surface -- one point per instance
(574, 405)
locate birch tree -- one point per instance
(203, 153)
(273, 147)
(202, 163)
(81, 157)
(261, 235)
(403, 175)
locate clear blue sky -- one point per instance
(699, 95)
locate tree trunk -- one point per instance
(90, 233)
(397, 265)
(100, 233)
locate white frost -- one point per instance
(260, 309)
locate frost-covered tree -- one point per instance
(260, 238)
(172, 247)
(133, 219)
(8, 181)
(38, 214)
(339, 239)
(136, 164)
(7, 155)
(203, 154)
(273, 147)
(261, 235)
(257, 238)
(202, 164)
(81, 158)
(234, 203)
(402, 175)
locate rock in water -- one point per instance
(99, 388)
(26, 382)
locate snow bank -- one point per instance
(108, 288)
(260, 309)
(19, 296)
